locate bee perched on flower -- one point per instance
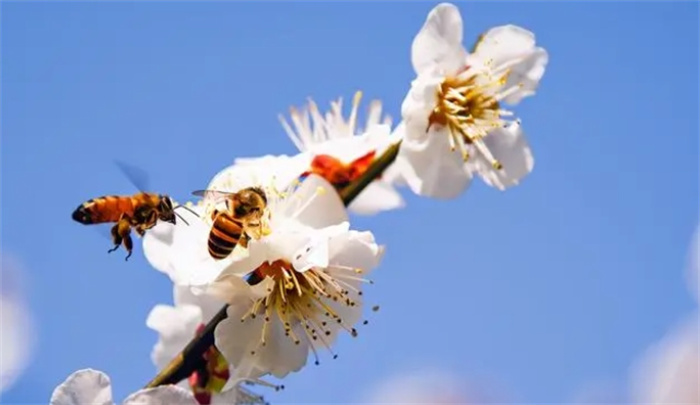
(455, 121)
(335, 148)
(305, 286)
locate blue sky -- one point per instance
(549, 287)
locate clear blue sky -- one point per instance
(554, 285)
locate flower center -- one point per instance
(468, 105)
(338, 173)
(307, 303)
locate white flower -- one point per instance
(668, 373)
(455, 124)
(17, 334)
(178, 249)
(336, 149)
(308, 269)
(92, 387)
(176, 326)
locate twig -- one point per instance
(190, 358)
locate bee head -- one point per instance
(165, 210)
(250, 202)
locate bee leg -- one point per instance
(243, 241)
(128, 245)
(116, 239)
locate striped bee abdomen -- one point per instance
(103, 209)
(224, 236)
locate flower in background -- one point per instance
(176, 326)
(455, 122)
(177, 249)
(426, 386)
(306, 283)
(335, 148)
(668, 372)
(17, 335)
(92, 387)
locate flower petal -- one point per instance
(83, 387)
(378, 196)
(429, 166)
(238, 340)
(513, 46)
(315, 204)
(668, 372)
(510, 147)
(209, 306)
(176, 327)
(156, 246)
(233, 290)
(355, 249)
(163, 395)
(439, 42)
(277, 172)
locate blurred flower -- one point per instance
(17, 334)
(307, 268)
(177, 325)
(332, 146)
(92, 387)
(668, 372)
(455, 104)
(178, 249)
(424, 387)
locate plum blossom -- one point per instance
(455, 123)
(176, 326)
(176, 249)
(668, 372)
(305, 286)
(93, 387)
(333, 147)
(17, 325)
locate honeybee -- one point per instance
(233, 226)
(139, 212)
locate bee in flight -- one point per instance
(139, 212)
(233, 226)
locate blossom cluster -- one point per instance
(271, 240)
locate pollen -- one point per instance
(310, 304)
(468, 105)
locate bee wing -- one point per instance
(138, 177)
(214, 195)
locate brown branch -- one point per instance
(190, 358)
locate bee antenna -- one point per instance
(181, 218)
(188, 209)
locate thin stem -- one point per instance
(190, 358)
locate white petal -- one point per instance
(176, 327)
(439, 42)
(510, 147)
(277, 172)
(84, 387)
(668, 373)
(514, 46)
(234, 290)
(157, 243)
(237, 340)
(316, 251)
(315, 204)
(430, 168)
(163, 395)
(357, 250)
(183, 295)
(193, 265)
(378, 196)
